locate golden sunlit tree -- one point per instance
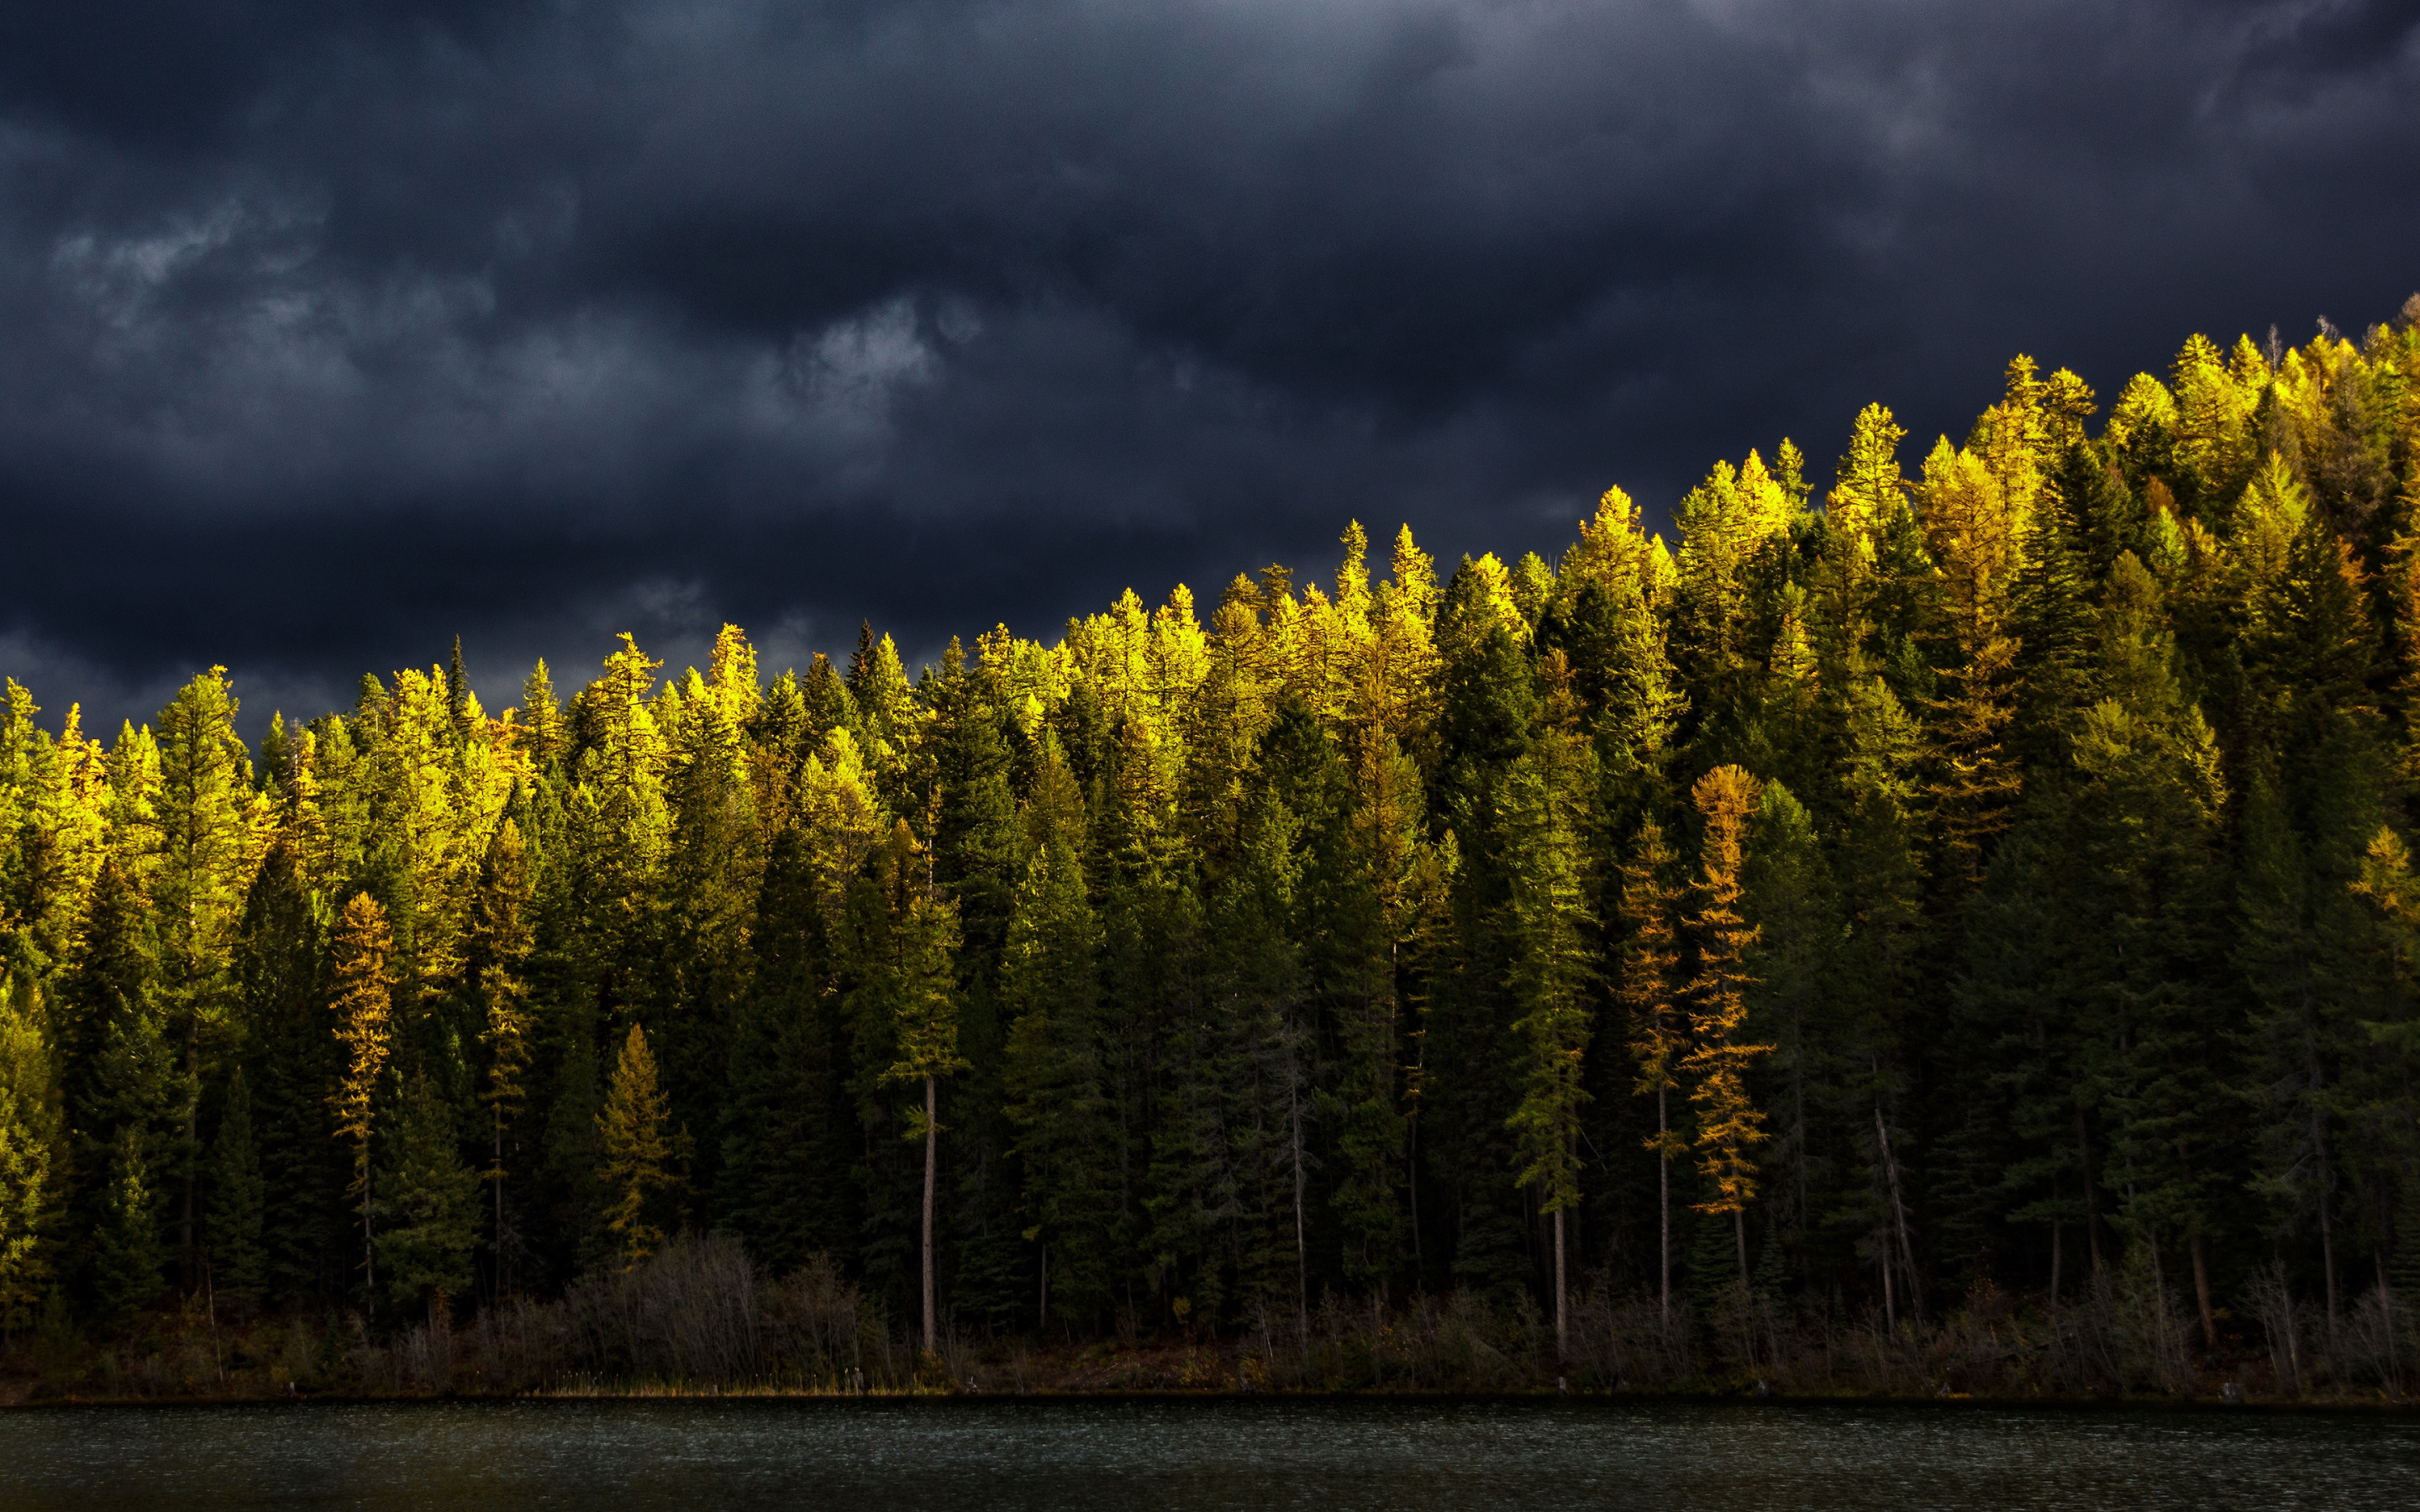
(501, 946)
(1728, 1125)
(363, 1002)
(1659, 1032)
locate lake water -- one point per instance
(1333, 1455)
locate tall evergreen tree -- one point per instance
(207, 823)
(927, 1043)
(434, 1196)
(1718, 1059)
(1058, 1091)
(639, 1171)
(239, 1260)
(1658, 1031)
(1553, 970)
(364, 1002)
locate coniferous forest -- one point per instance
(1963, 915)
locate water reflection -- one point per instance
(1337, 1456)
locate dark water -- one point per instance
(876, 1456)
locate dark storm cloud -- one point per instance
(334, 329)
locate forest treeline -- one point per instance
(1989, 880)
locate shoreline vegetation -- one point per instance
(701, 1320)
(1955, 935)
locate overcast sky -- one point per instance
(332, 328)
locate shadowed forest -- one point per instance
(1954, 933)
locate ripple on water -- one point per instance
(1183, 1456)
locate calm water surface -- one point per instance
(1183, 1455)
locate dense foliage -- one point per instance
(1992, 878)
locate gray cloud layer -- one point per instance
(337, 329)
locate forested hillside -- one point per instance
(1988, 878)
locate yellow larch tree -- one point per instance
(1728, 1124)
(1658, 1031)
(364, 1002)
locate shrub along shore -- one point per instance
(700, 1319)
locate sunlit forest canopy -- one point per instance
(1987, 876)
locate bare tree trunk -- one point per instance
(1663, 1209)
(2328, 1267)
(2091, 1198)
(1890, 1295)
(1739, 1228)
(185, 1257)
(2159, 1293)
(1044, 1320)
(2326, 1170)
(369, 1256)
(1562, 1310)
(2387, 1298)
(499, 1201)
(1898, 1217)
(932, 1145)
(2199, 1250)
(1301, 1238)
(2057, 1252)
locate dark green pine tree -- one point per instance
(1351, 845)
(1059, 1093)
(122, 1094)
(293, 1062)
(1794, 904)
(2018, 1010)
(977, 845)
(1553, 928)
(825, 703)
(2052, 617)
(886, 1166)
(195, 892)
(788, 1150)
(1489, 709)
(1260, 1019)
(130, 1254)
(431, 1195)
(238, 1267)
(709, 888)
(2141, 870)
(458, 698)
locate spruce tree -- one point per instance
(433, 1195)
(1790, 898)
(1554, 969)
(209, 819)
(1058, 1095)
(785, 1173)
(927, 1046)
(292, 1061)
(129, 1251)
(238, 1259)
(119, 1078)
